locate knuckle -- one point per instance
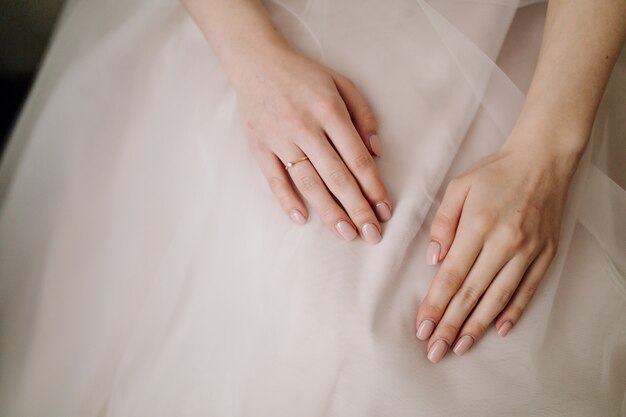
(303, 125)
(330, 108)
(363, 162)
(528, 291)
(529, 249)
(448, 329)
(513, 235)
(328, 212)
(433, 310)
(529, 211)
(476, 328)
(482, 223)
(441, 226)
(502, 297)
(515, 312)
(450, 279)
(306, 183)
(368, 118)
(469, 295)
(339, 178)
(362, 212)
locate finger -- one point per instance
(362, 166)
(358, 160)
(444, 225)
(491, 259)
(342, 185)
(491, 304)
(361, 113)
(308, 181)
(525, 292)
(281, 186)
(448, 280)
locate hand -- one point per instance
(295, 107)
(496, 231)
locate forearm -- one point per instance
(581, 42)
(237, 30)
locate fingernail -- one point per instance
(296, 216)
(345, 229)
(437, 351)
(371, 233)
(463, 345)
(425, 330)
(505, 328)
(383, 212)
(432, 253)
(375, 144)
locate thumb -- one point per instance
(443, 227)
(362, 115)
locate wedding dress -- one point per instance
(147, 270)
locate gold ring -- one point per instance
(292, 163)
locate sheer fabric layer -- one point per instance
(146, 269)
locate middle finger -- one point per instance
(492, 258)
(308, 182)
(343, 186)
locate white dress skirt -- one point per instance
(147, 270)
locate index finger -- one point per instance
(447, 281)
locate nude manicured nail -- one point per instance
(425, 330)
(432, 253)
(437, 351)
(375, 144)
(505, 328)
(346, 230)
(383, 212)
(371, 233)
(463, 344)
(296, 216)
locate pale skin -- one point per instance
(497, 228)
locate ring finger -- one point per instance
(496, 297)
(490, 260)
(309, 183)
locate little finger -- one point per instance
(281, 186)
(524, 292)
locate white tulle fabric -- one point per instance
(147, 270)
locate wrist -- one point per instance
(245, 62)
(241, 34)
(554, 129)
(558, 150)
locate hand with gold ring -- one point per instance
(325, 155)
(292, 163)
(303, 116)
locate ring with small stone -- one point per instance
(292, 163)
